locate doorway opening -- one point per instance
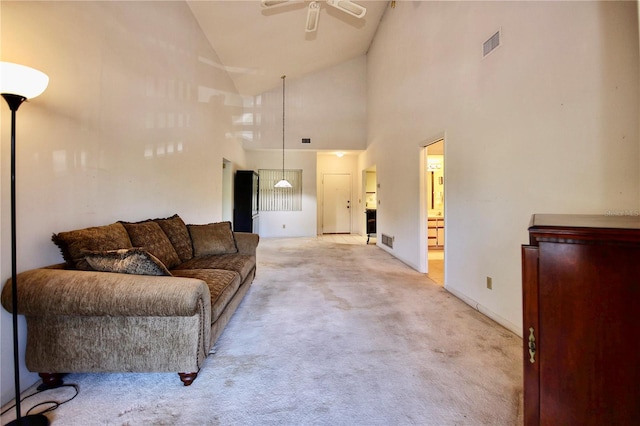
(433, 211)
(369, 179)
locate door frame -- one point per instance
(363, 204)
(423, 264)
(227, 190)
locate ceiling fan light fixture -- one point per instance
(313, 14)
(313, 10)
(349, 7)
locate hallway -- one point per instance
(436, 256)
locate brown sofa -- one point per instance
(150, 296)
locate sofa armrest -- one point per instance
(247, 242)
(43, 292)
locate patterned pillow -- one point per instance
(149, 236)
(127, 261)
(213, 238)
(74, 244)
(178, 234)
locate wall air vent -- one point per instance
(387, 240)
(491, 44)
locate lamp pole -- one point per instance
(18, 79)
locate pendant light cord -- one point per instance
(283, 79)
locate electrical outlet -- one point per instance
(490, 283)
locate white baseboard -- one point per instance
(392, 253)
(515, 328)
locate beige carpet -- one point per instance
(329, 334)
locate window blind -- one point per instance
(280, 199)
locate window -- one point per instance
(280, 199)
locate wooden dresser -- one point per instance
(581, 311)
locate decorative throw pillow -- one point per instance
(152, 238)
(135, 261)
(212, 238)
(178, 234)
(74, 244)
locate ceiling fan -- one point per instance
(313, 10)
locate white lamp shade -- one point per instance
(21, 80)
(283, 184)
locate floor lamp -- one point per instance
(17, 84)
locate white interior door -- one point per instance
(336, 208)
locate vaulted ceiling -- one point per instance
(257, 46)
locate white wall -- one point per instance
(547, 123)
(134, 124)
(328, 106)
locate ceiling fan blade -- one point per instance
(273, 3)
(349, 7)
(313, 13)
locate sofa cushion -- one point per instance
(74, 244)
(222, 286)
(128, 261)
(178, 234)
(243, 264)
(212, 238)
(149, 236)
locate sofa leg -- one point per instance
(187, 378)
(50, 380)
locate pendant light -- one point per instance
(283, 183)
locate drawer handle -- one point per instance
(532, 346)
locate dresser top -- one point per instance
(580, 228)
(629, 221)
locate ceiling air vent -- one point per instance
(491, 44)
